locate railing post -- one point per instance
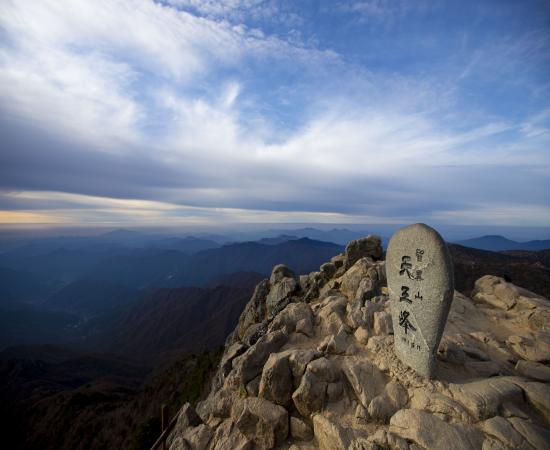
(163, 424)
(167, 427)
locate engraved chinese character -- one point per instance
(404, 321)
(418, 275)
(406, 266)
(419, 253)
(418, 296)
(405, 295)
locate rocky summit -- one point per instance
(312, 365)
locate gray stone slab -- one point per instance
(420, 283)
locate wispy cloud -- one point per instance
(378, 11)
(241, 11)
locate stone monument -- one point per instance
(421, 287)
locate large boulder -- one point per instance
(370, 246)
(329, 269)
(276, 382)
(255, 310)
(539, 320)
(216, 405)
(294, 317)
(280, 272)
(387, 440)
(360, 280)
(298, 360)
(316, 281)
(533, 370)
(179, 443)
(361, 313)
(366, 380)
(538, 395)
(187, 417)
(250, 364)
(261, 421)
(526, 307)
(198, 437)
(279, 295)
(300, 430)
(332, 314)
(311, 394)
(496, 292)
(228, 436)
(537, 436)
(483, 398)
(502, 430)
(326, 369)
(309, 397)
(254, 332)
(362, 335)
(440, 405)
(392, 399)
(432, 433)
(234, 350)
(329, 435)
(335, 344)
(531, 347)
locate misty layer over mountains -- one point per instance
(89, 285)
(85, 290)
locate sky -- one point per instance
(200, 112)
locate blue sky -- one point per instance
(194, 112)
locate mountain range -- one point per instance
(498, 243)
(146, 267)
(82, 292)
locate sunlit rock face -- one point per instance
(317, 368)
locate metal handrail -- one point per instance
(166, 429)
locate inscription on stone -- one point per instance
(420, 283)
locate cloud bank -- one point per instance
(189, 111)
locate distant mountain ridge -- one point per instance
(277, 240)
(165, 265)
(304, 255)
(497, 243)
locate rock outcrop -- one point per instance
(311, 365)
